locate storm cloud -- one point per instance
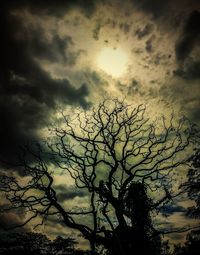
(65, 192)
(48, 60)
(189, 38)
(28, 93)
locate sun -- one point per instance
(112, 61)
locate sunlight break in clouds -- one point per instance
(113, 61)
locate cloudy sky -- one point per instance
(59, 53)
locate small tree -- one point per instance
(125, 164)
(24, 243)
(63, 246)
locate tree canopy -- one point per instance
(125, 162)
(36, 243)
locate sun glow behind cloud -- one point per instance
(113, 61)
(69, 44)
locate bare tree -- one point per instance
(122, 160)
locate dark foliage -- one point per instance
(36, 244)
(191, 246)
(192, 186)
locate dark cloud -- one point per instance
(142, 32)
(124, 27)
(189, 38)
(187, 75)
(69, 192)
(56, 49)
(94, 78)
(149, 46)
(28, 94)
(10, 219)
(155, 7)
(184, 94)
(96, 30)
(134, 87)
(51, 7)
(159, 9)
(190, 72)
(159, 58)
(111, 22)
(168, 210)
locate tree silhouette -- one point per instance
(36, 244)
(191, 246)
(24, 243)
(62, 246)
(192, 186)
(121, 160)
